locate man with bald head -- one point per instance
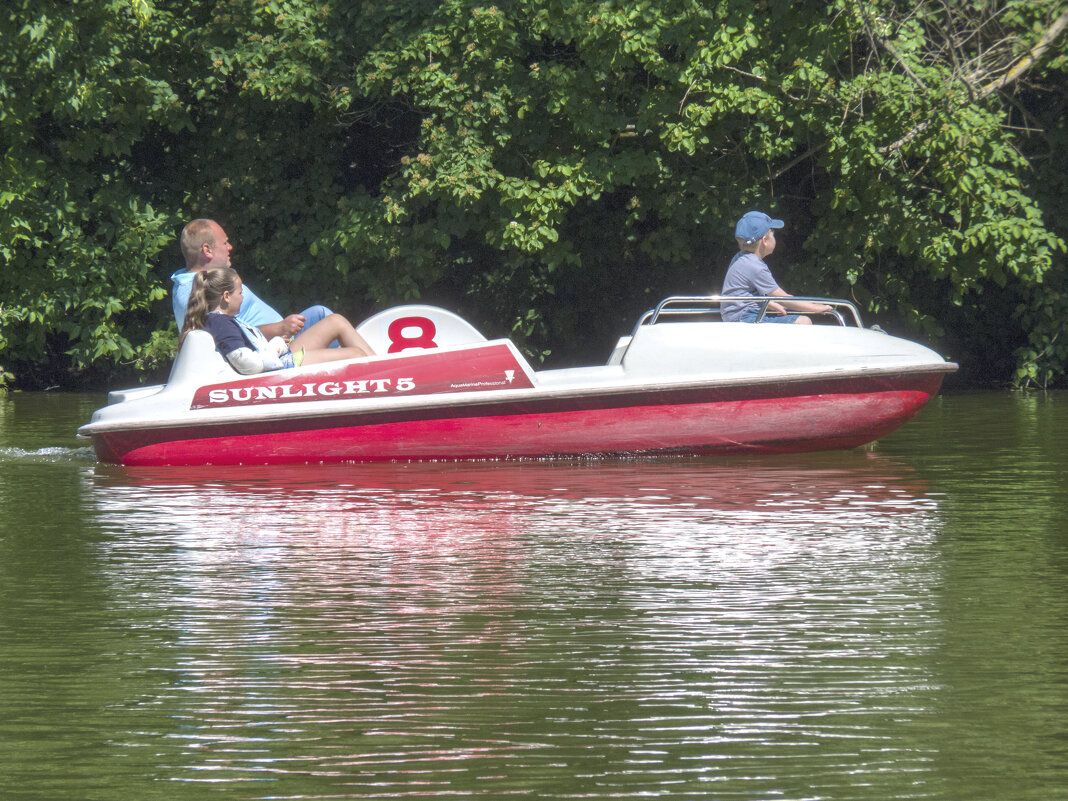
(205, 245)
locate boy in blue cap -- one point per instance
(748, 275)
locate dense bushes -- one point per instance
(545, 167)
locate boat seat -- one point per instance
(416, 327)
(197, 360)
(620, 349)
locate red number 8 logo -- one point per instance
(398, 341)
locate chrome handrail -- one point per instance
(711, 304)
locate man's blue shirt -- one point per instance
(253, 310)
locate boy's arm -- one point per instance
(802, 306)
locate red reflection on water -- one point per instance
(747, 482)
(404, 601)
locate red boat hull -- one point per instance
(823, 414)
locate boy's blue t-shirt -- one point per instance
(747, 275)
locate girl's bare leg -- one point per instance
(331, 327)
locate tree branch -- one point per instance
(1012, 74)
(812, 151)
(1028, 61)
(879, 41)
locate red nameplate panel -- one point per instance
(487, 367)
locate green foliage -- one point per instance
(154, 357)
(5, 379)
(547, 167)
(80, 95)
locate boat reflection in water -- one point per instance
(768, 506)
(383, 630)
(813, 493)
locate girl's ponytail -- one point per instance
(205, 297)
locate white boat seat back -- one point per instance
(197, 361)
(416, 326)
(620, 349)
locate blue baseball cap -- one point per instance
(754, 224)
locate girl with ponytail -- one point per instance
(214, 301)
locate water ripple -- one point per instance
(52, 454)
(571, 630)
(884, 624)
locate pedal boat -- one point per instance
(683, 382)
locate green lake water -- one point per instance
(886, 623)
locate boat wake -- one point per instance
(47, 455)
